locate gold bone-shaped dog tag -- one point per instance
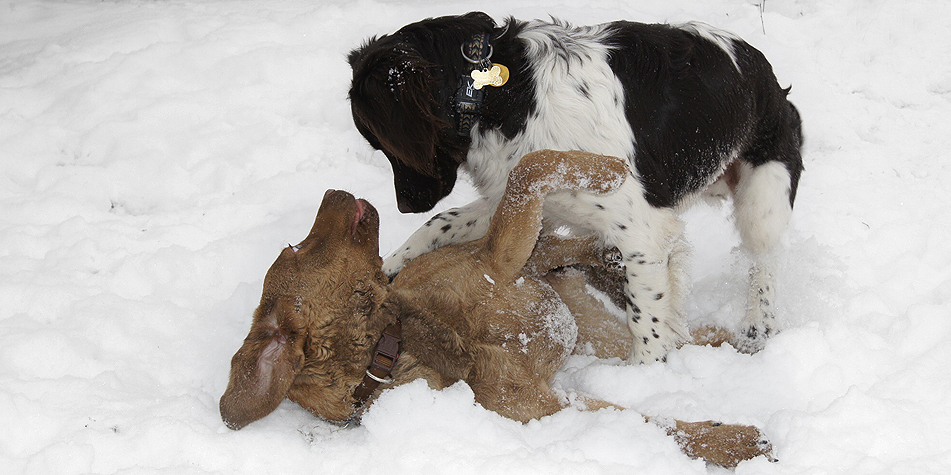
(496, 76)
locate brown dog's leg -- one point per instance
(713, 336)
(598, 330)
(721, 444)
(514, 228)
(508, 388)
(554, 251)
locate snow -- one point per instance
(158, 155)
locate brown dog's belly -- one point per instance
(514, 329)
(544, 324)
(523, 334)
(523, 316)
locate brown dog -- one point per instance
(469, 312)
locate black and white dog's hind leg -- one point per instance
(766, 180)
(762, 208)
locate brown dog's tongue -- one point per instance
(358, 215)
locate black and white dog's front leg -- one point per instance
(653, 251)
(654, 292)
(466, 223)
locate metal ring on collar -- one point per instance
(504, 31)
(379, 380)
(462, 49)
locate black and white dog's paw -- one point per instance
(753, 338)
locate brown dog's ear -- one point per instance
(263, 370)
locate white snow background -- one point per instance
(157, 155)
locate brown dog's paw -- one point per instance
(722, 444)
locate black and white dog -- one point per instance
(695, 110)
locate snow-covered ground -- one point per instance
(156, 156)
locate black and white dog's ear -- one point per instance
(392, 98)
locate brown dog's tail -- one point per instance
(517, 221)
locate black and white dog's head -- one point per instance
(402, 84)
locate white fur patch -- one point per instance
(761, 205)
(572, 86)
(722, 38)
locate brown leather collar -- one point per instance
(381, 365)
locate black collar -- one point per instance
(467, 103)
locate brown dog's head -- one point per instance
(311, 334)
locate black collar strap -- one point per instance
(468, 100)
(478, 51)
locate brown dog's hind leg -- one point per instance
(712, 336)
(513, 231)
(599, 331)
(510, 388)
(721, 444)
